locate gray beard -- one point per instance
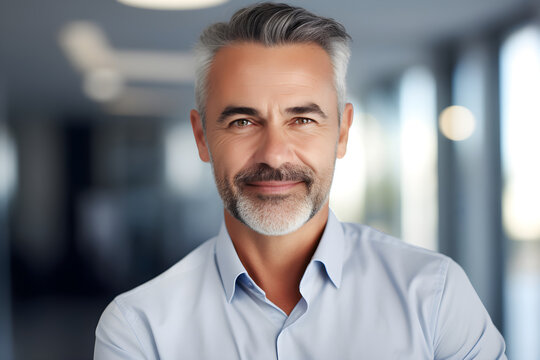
(278, 214)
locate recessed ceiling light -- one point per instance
(172, 4)
(456, 122)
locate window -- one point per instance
(520, 124)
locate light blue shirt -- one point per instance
(365, 295)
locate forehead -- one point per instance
(252, 72)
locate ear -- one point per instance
(346, 122)
(198, 132)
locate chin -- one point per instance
(273, 219)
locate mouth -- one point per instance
(272, 187)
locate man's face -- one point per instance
(272, 133)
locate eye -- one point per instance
(241, 123)
(303, 121)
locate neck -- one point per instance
(277, 263)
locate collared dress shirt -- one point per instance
(365, 295)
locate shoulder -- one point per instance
(394, 269)
(430, 285)
(174, 286)
(173, 281)
(377, 249)
(132, 319)
(363, 235)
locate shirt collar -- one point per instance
(331, 249)
(330, 253)
(229, 265)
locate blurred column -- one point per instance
(469, 168)
(382, 131)
(520, 113)
(477, 170)
(445, 157)
(417, 102)
(7, 177)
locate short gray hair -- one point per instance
(273, 24)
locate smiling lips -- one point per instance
(272, 187)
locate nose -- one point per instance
(275, 148)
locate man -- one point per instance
(284, 278)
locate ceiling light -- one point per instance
(172, 4)
(456, 123)
(102, 85)
(86, 46)
(144, 101)
(156, 66)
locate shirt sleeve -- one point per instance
(115, 337)
(463, 327)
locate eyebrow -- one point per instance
(236, 110)
(310, 108)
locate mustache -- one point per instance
(286, 172)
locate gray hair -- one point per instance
(273, 24)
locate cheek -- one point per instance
(225, 169)
(229, 156)
(222, 142)
(319, 153)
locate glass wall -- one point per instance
(8, 181)
(417, 108)
(394, 160)
(381, 140)
(472, 126)
(520, 119)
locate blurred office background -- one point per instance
(101, 188)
